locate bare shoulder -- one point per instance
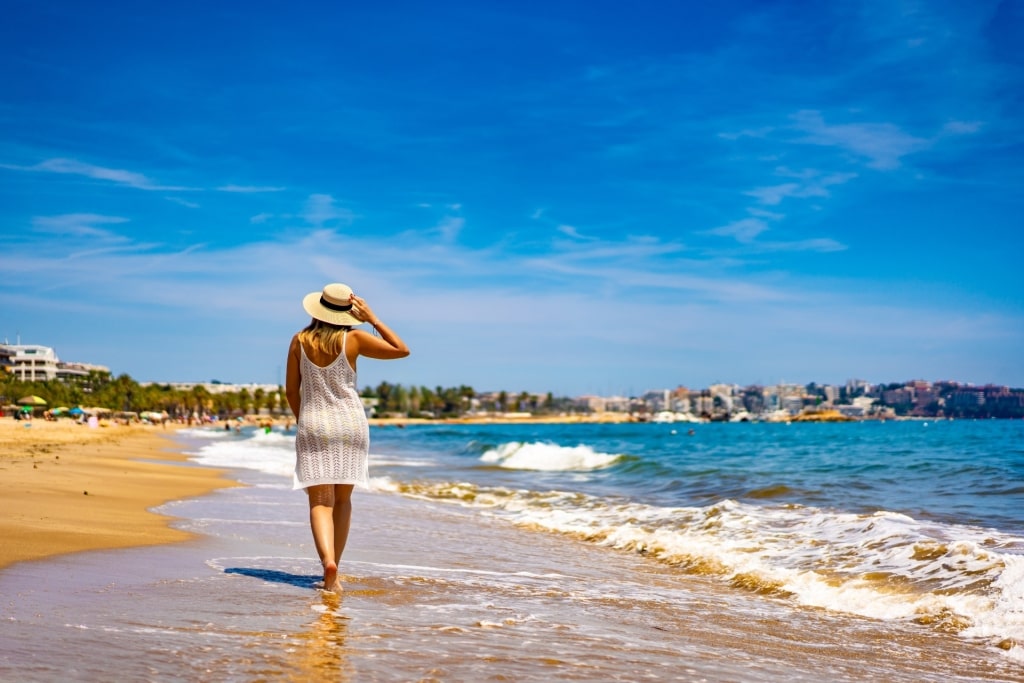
(360, 336)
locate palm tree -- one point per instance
(258, 396)
(244, 400)
(200, 400)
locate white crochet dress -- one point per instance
(333, 440)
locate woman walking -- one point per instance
(333, 439)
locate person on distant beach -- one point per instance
(333, 438)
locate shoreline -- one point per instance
(67, 488)
(626, 418)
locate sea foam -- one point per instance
(884, 565)
(548, 457)
(273, 453)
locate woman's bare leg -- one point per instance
(321, 521)
(342, 518)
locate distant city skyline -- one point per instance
(69, 382)
(42, 363)
(572, 197)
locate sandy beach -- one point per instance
(66, 488)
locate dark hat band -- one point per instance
(334, 307)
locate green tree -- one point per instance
(201, 401)
(400, 400)
(244, 401)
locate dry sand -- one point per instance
(65, 487)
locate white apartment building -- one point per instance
(31, 363)
(34, 363)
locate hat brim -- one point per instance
(311, 302)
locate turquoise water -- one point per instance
(947, 471)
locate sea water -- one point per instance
(858, 551)
(903, 520)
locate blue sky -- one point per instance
(577, 197)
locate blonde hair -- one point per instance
(324, 337)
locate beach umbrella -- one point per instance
(31, 401)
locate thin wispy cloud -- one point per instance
(810, 184)
(743, 230)
(570, 231)
(822, 245)
(747, 232)
(747, 133)
(322, 210)
(630, 249)
(113, 175)
(763, 213)
(450, 227)
(184, 202)
(249, 189)
(883, 145)
(78, 225)
(963, 127)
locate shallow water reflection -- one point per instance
(320, 653)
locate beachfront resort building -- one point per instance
(602, 404)
(217, 387)
(34, 363)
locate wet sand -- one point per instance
(65, 487)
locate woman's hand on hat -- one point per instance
(361, 311)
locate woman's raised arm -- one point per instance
(386, 347)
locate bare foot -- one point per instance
(331, 583)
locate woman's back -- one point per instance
(333, 438)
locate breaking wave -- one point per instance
(548, 457)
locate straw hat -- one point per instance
(332, 305)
